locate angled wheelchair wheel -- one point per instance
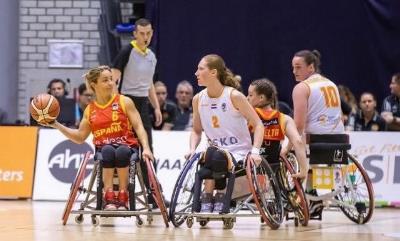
(293, 190)
(156, 192)
(76, 185)
(182, 195)
(358, 198)
(266, 193)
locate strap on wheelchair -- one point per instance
(330, 146)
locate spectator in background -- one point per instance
(348, 103)
(85, 97)
(168, 108)
(184, 96)
(391, 105)
(57, 88)
(367, 118)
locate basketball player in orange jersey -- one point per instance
(223, 113)
(110, 119)
(262, 95)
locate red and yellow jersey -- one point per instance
(273, 121)
(110, 124)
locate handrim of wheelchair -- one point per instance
(265, 191)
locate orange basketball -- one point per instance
(44, 108)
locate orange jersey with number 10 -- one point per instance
(110, 124)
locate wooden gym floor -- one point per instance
(24, 220)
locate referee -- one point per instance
(133, 70)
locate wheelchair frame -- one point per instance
(181, 210)
(358, 211)
(86, 207)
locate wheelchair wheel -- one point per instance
(358, 198)
(181, 200)
(293, 190)
(156, 192)
(80, 175)
(266, 193)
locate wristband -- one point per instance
(255, 150)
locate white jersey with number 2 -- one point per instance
(223, 124)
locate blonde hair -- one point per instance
(225, 75)
(93, 75)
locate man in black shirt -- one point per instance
(391, 105)
(367, 119)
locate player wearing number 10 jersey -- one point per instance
(316, 99)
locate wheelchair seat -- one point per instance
(330, 149)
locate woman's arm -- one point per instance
(195, 135)
(300, 105)
(76, 135)
(299, 146)
(240, 102)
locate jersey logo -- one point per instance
(115, 106)
(223, 107)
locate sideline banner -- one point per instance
(379, 153)
(57, 162)
(170, 147)
(17, 159)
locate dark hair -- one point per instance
(225, 75)
(142, 22)
(368, 93)
(268, 89)
(311, 57)
(82, 88)
(396, 78)
(53, 81)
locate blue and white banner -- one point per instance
(57, 162)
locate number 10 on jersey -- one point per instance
(330, 96)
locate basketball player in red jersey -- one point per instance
(110, 119)
(262, 95)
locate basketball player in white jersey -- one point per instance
(316, 105)
(224, 114)
(316, 99)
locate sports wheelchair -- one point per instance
(338, 179)
(292, 192)
(138, 199)
(251, 191)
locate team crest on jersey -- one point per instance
(223, 107)
(115, 106)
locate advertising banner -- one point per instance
(57, 163)
(379, 153)
(17, 161)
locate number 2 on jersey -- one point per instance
(215, 121)
(330, 96)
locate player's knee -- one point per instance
(108, 154)
(122, 156)
(216, 161)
